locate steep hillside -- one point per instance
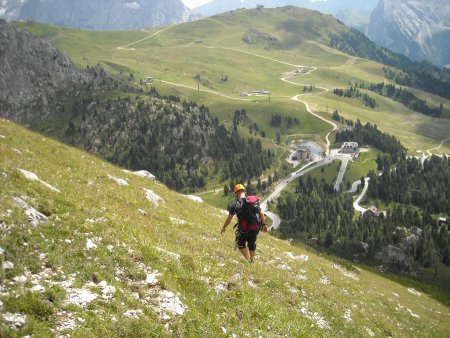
(418, 29)
(90, 250)
(98, 14)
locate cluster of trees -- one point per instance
(337, 117)
(277, 120)
(251, 189)
(239, 157)
(407, 98)
(180, 143)
(239, 117)
(354, 92)
(317, 212)
(426, 185)
(370, 134)
(422, 75)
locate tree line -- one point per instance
(317, 214)
(406, 98)
(422, 75)
(426, 185)
(276, 121)
(354, 92)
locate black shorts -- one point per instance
(249, 237)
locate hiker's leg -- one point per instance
(252, 255)
(244, 252)
(252, 245)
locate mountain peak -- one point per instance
(416, 28)
(98, 14)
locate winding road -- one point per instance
(306, 168)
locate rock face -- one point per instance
(98, 14)
(34, 75)
(419, 29)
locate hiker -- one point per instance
(250, 220)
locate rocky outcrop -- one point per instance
(392, 255)
(396, 254)
(420, 29)
(106, 14)
(35, 76)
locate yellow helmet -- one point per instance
(238, 187)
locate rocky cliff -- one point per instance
(98, 14)
(419, 29)
(36, 78)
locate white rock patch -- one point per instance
(348, 315)
(316, 318)
(119, 181)
(195, 198)
(324, 280)
(20, 279)
(17, 151)
(2, 136)
(169, 253)
(133, 314)
(33, 177)
(152, 278)
(152, 197)
(412, 313)
(177, 221)
(34, 217)
(142, 212)
(345, 272)
(252, 284)
(294, 257)
(80, 297)
(369, 332)
(65, 321)
(90, 244)
(145, 174)
(16, 320)
(221, 287)
(38, 288)
(414, 292)
(8, 265)
(169, 302)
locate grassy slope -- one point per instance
(267, 298)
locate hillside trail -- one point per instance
(435, 148)
(275, 218)
(124, 47)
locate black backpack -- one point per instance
(248, 213)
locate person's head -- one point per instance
(239, 189)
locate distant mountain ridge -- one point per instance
(350, 11)
(98, 14)
(417, 28)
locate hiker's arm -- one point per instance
(227, 222)
(262, 217)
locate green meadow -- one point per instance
(208, 61)
(161, 267)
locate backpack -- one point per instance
(248, 213)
